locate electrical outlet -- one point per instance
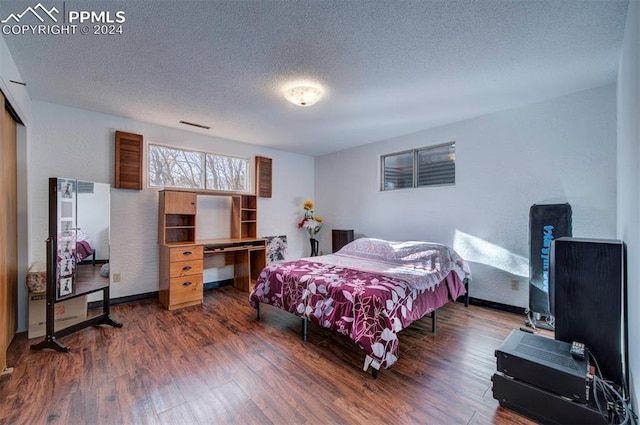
(116, 277)
(515, 284)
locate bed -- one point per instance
(84, 248)
(369, 290)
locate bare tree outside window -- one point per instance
(172, 167)
(226, 173)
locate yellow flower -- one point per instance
(319, 219)
(308, 205)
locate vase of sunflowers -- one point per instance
(312, 223)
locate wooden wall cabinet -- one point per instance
(264, 173)
(183, 258)
(129, 152)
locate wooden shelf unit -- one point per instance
(244, 216)
(183, 258)
(177, 217)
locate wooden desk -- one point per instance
(182, 265)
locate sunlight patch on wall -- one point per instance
(477, 250)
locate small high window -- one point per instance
(430, 166)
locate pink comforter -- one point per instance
(84, 250)
(370, 308)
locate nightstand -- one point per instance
(340, 238)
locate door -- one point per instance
(8, 234)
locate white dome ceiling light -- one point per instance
(303, 95)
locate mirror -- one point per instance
(79, 221)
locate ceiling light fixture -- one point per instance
(303, 95)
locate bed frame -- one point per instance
(86, 259)
(374, 371)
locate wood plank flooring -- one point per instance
(216, 364)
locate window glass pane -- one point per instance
(175, 168)
(437, 165)
(226, 173)
(397, 171)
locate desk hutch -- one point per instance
(183, 258)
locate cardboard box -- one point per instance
(67, 313)
(37, 278)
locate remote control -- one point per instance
(577, 350)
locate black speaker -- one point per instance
(588, 288)
(546, 223)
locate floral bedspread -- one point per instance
(369, 306)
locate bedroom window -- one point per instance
(430, 166)
(181, 168)
(397, 170)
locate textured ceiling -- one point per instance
(388, 68)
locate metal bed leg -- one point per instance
(433, 321)
(368, 363)
(466, 296)
(258, 310)
(304, 329)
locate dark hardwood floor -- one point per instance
(216, 364)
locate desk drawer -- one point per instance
(183, 253)
(185, 289)
(185, 268)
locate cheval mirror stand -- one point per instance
(74, 204)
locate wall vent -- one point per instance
(206, 127)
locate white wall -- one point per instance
(629, 178)
(16, 93)
(74, 143)
(94, 210)
(563, 150)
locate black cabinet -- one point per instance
(340, 238)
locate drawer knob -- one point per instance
(187, 253)
(186, 283)
(186, 268)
